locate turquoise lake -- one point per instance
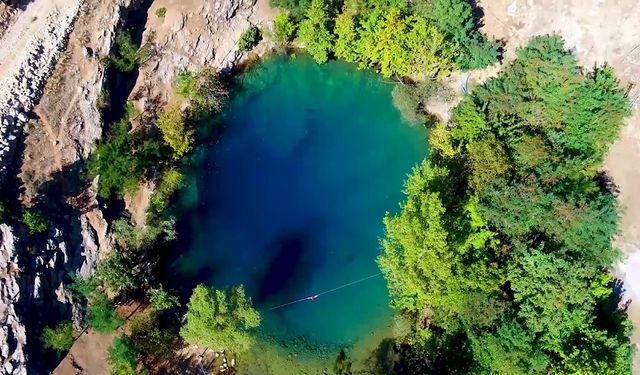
(289, 200)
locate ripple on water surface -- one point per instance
(291, 198)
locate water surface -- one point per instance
(290, 199)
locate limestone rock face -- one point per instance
(28, 55)
(12, 331)
(193, 34)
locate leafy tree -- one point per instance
(125, 56)
(346, 36)
(162, 300)
(58, 338)
(171, 181)
(219, 319)
(175, 131)
(249, 39)
(119, 169)
(283, 27)
(83, 287)
(150, 338)
(297, 8)
(455, 19)
(488, 163)
(315, 31)
(116, 272)
(412, 99)
(501, 247)
(102, 314)
(205, 91)
(35, 221)
(122, 357)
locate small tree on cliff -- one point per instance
(58, 338)
(220, 320)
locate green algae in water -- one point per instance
(290, 199)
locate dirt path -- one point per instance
(598, 31)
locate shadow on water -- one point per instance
(283, 268)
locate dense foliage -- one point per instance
(35, 221)
(122, 357)
(283, 28)
(122, 158)
(501, 250)
(249, 39)
(58, 338)
(219, 319)
(125, 56)
(102, 314)
(398, 38)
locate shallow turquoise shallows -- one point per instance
(290, 199)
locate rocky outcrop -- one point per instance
(27, 63)
(193, 34)
(12, 331)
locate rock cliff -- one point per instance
(12, 331)
(191, 35)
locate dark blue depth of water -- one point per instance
(290, 200)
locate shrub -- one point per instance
(249, 39)
(174, 130)
(284, 28)
(172, 180)
(162, 300)
(204, 91)
(116, 272)
(124, 58)
(412, 100)
(102, 314)
(3, 210)
(119, 169)
(161, 12)
(58, 338)
(84, 288)
(150, 338)
(122, 357)
(35, 221)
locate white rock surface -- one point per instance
(27, 56)
(12, 332)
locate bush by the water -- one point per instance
(220, 320)
(283, 28)
(58, 338)
(401, 38)
(411, 99)
(504, 238)
(249, 39)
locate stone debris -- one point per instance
(12, 331)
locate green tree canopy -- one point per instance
(58, 338)
(315, 31)
(503, 242)
(219, 319)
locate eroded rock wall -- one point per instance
(28, 54)
(12, 331)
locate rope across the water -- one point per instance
(315, 296)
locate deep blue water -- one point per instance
(290, 200)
